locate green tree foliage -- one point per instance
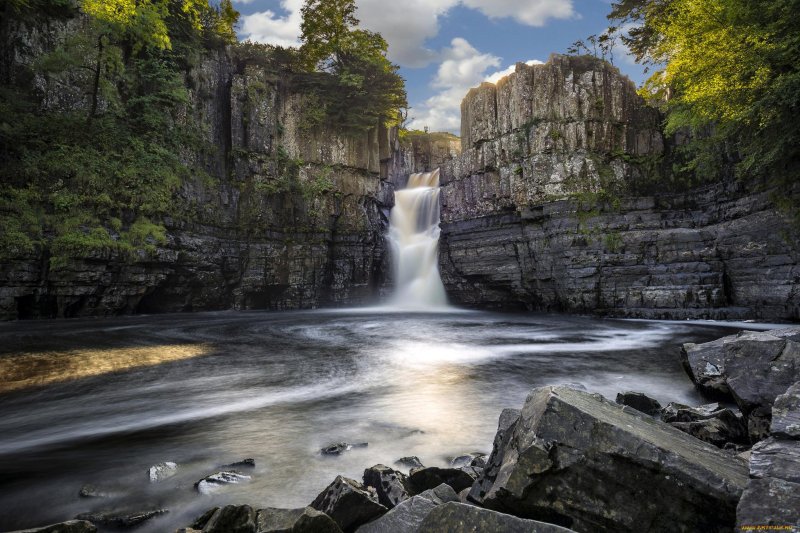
(104, 185)
(729, 71)
(362, 86)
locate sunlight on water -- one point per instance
(36, 369)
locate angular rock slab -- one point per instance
(215, 482)
(232, 519)
(640, 402)
(769, 502)
(389, 484)
(786, 414)
(776, 458)
(407, 516)
(303, 520)
(349, 503)
(580, 461)
(461, 518)
(162, 471)
(71, 526)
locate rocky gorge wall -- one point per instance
(286, 215)
(541, 211)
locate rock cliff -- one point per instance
(543, 210)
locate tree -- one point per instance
(729, 67)
(365, 85)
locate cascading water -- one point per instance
(414, 235)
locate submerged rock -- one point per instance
(70, 526)
(581, 461)
(390, 485)
(476, 459)
(162, 471)
(409, 462)
(407, 516)
(349, 503)
(640, 402)
(216, 481)
(339, 448)
(244, 463)
(91, 491)
(121, 519)
(303, 520)
(460, 518)
(422, 479)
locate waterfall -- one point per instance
(414, 235)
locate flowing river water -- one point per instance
(101, 400)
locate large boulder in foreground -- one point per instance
(578, 460)
(461, 518)
(753, 368)
(245, 519)
(349, 503)
(389, 484)
(407, 516)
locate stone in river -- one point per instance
(469, 459)
(640, 402)
(349, 503)
(460, 518)
(580, 461)
(70, 526)
(409, 462)
(407, 516)
(390, 485)
(121, 519)
(162, 471)
(244, 463)
(338, 448)
(216, 481)
(303, 520)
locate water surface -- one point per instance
(99, 401)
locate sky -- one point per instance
(446, 47)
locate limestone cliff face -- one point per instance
(540, 210)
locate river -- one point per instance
(101, 400)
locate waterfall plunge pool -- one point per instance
(208, 389)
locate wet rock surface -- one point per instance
(407, 516)
(459, 518)
(71, 526)
(304, 520)
(422, 479)
(162, 471)
(390, 485)
(409, 462)
(786, 412)
(580, 461)
(349, 503)
(338, 448)
(217, 481)
(232, 519)
(639, 401)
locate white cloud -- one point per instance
(406, 25)
(462, 68)
(529, 12)
(500, 74)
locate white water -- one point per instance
(414, 235)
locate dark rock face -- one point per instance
(580, 461)
(389, 484)
(513, 238)
(349, 503)
(753, 368)
(409, 462)
(786, 413)
(711, 423)
(776, 458)
(461, 518)
(232, 519)
(121, 519)
(678, 412)
(338, 448)
(505, 429)
(422, 479)
(639, 401)
(71, 526)
(408, 515)
(305, 520)
(214, 482)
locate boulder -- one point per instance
(776, 458)
(476, 459)
(203, 519)
(721, 429)
(70, 526)
(162, 471)
(244, 463)
(460, 518)
(580, 461)
(407, 516)
(678, 412)
(215, 482)
(754, 368)
(505, 427)
(121, 519)
(338, 448)
(409, 462)
(91, 491)
(786, 414)
(640, 402)
(232, 519)
(349, 503)
(389, 484)
(422, 479)
(769, 502)
(303, 520)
